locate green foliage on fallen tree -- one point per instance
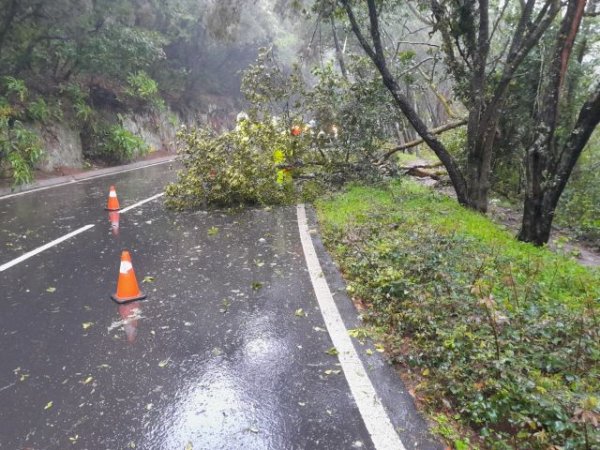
(239, 167)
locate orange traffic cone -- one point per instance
(113, 201)
(127, 285)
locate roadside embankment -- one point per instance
(499, 339)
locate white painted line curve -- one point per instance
(38, 250)
(93, 177)
(377, 421)
(43, 188)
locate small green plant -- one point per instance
(15, 86)
(83, 111)
(173, 120)
(79, 100)
(20, 149)
(38, 110)
(141, 86)
(120, 145)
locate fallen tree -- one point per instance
(414, 143)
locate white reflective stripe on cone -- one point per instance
(125, 267)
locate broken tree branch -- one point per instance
(438, 130)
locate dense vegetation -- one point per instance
(84, 63)
(234, 168)
(498, 335)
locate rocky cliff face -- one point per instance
(64, 147)
(157, 130)
(66, 143)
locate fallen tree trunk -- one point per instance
(438, 130)
(422, 166)
(423, 173)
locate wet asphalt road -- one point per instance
(215, 358)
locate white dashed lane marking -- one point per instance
(38, 250)
(140, 203)
(61, 239)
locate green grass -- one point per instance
(501, 336)
(424, 155)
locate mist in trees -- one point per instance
(188, 47)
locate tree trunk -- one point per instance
(458, 181)
(542, 195)
(376, 53)
(338, 51)
(481, 132)
(537, 220)
(547, 168)
(537, 211)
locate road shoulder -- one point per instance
(58, 181)
(398, 403)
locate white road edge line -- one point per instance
(377, 421)
(28, 255)
(140, 203)
(93, 177)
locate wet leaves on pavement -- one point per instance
(332, 351)
(226, 303)
(163, 363)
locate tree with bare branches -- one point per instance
(469, 34)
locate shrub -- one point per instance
(79, 100)
(121, 145)
(231, 169)
(38, 110)
(20, 149)
(16, 87)
(141, 86)
(502, 336)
